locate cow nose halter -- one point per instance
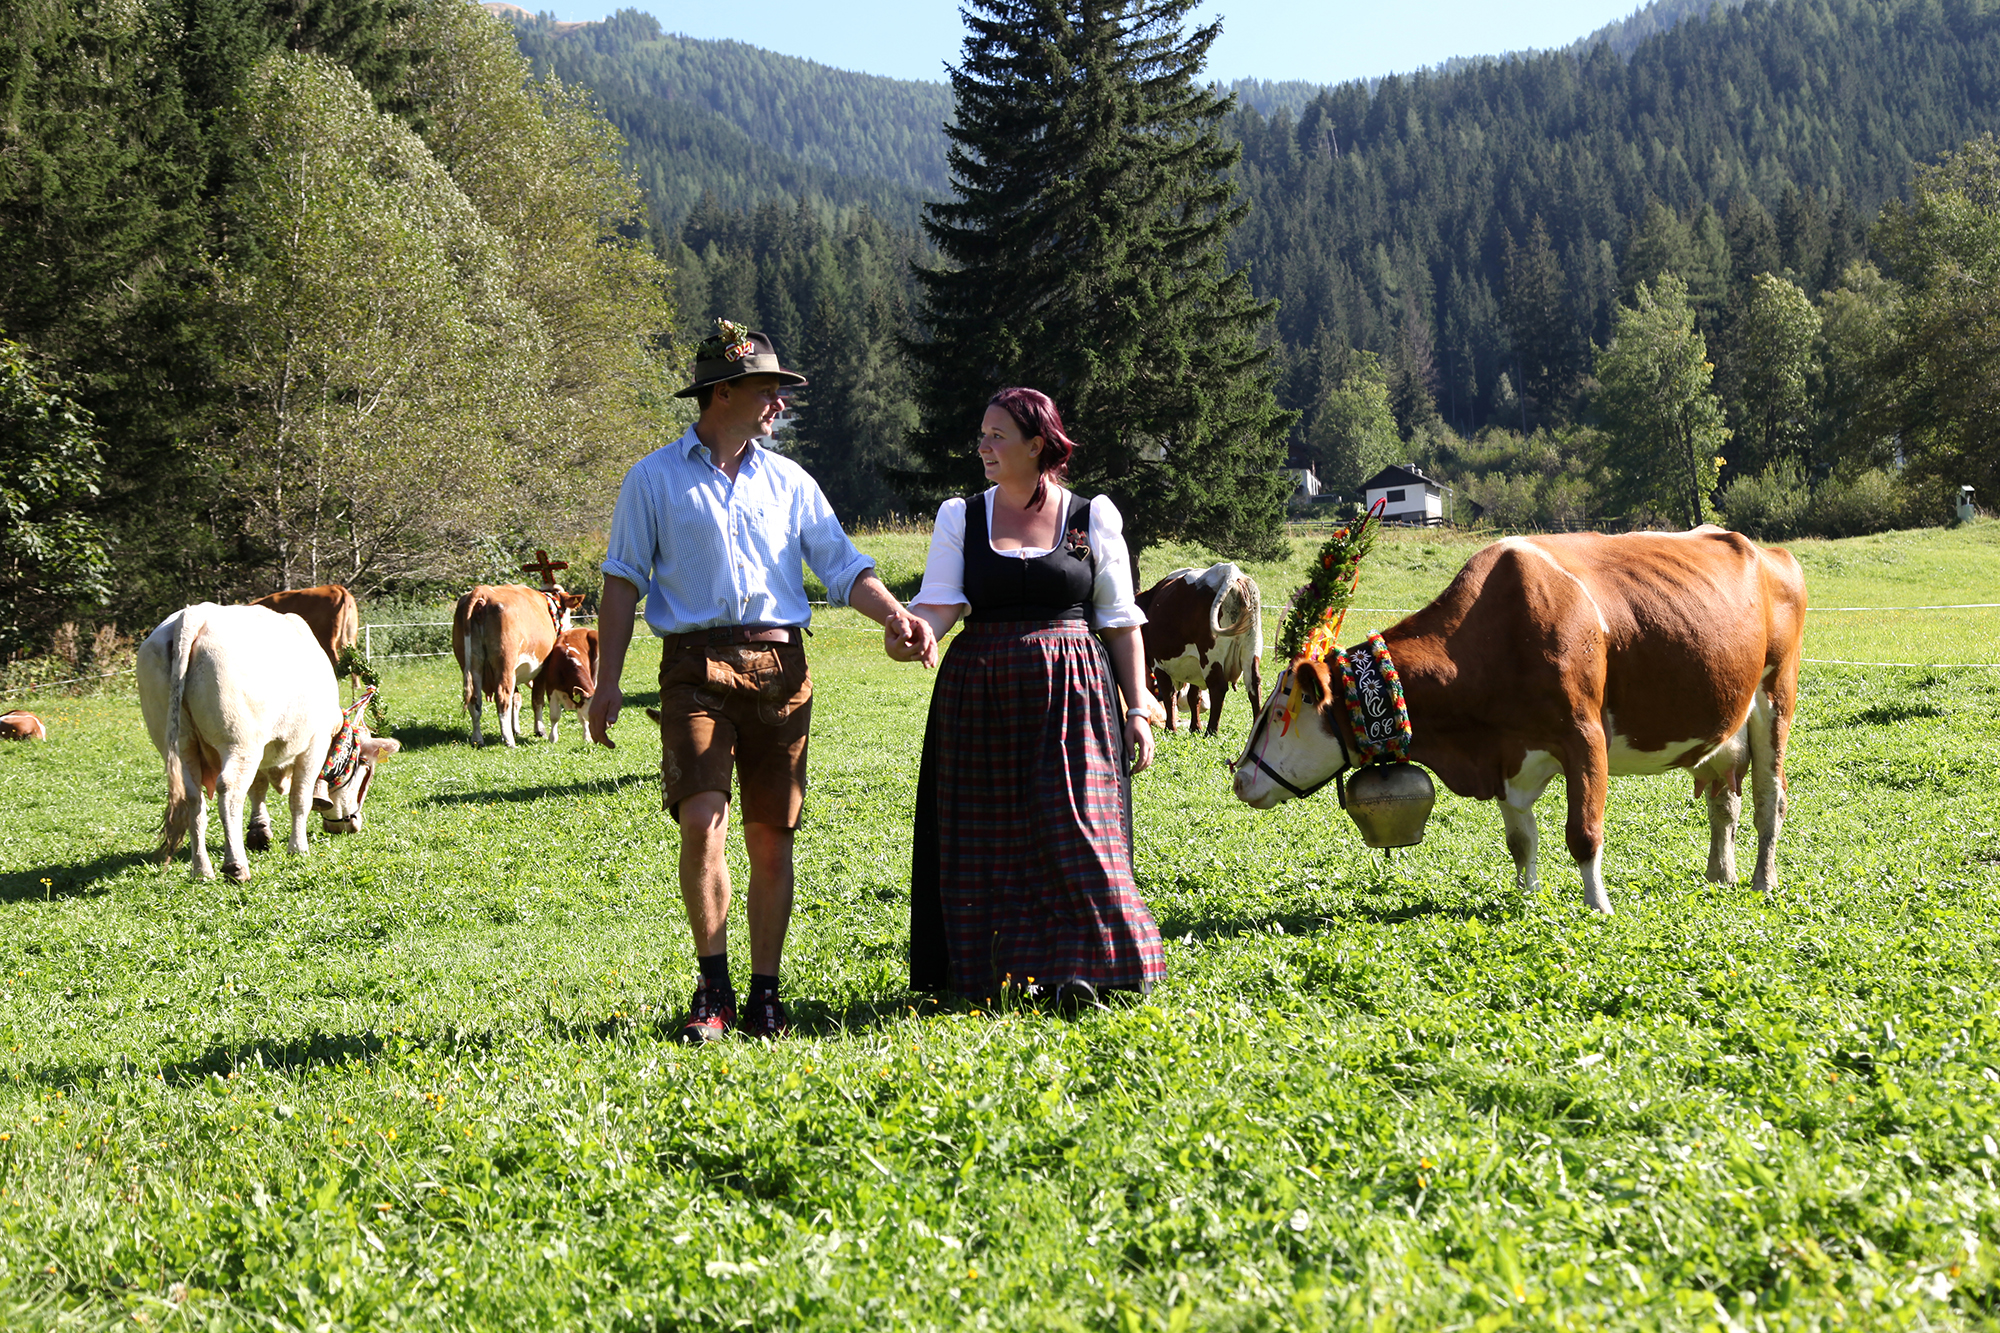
(1253, 752)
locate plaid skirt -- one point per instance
(1022, 855)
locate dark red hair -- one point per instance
(1034, 413)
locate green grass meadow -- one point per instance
(423, 1077)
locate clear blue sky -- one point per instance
(1266, 39)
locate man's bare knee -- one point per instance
(704, 814)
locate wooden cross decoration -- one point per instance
(544, 566)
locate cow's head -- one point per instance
(351, 757)
(1294, 751)
(339, 803)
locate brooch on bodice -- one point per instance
(1078, 546)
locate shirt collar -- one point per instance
(691, 442)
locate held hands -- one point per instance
(908, 638)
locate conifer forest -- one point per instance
(269, 267)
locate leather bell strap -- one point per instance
(1376, 710)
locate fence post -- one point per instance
(367, 643)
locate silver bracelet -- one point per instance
(1138, 711)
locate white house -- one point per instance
(1412, 497)
(1305, 482)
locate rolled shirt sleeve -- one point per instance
(944, 566)
(1111, 595)
(828, 549)
(633, 545)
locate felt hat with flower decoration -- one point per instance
(731, 353)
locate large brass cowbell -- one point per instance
(1390, 803)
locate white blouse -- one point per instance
(1111, 605)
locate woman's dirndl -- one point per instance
(1022, 857)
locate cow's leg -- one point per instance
(1256, 690)
(555, 716)
(1725, 808)
(1770, 728)
(1721, 775)
(475, 702)
(1218, 685)
(1194, 708)
(257, 833)
(305, 772)
(551, 733)
(232, 786)
(1166, 692)
(1517, 813)
(507, 703)
(199, 866)
(1587, 780)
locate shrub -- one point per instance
(1770, 506)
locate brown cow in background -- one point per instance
(502, 637)
(1204, 628)
(567, 679)
(328, 610)
(20, 725)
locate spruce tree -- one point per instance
(1084, 256)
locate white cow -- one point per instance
(238, 699)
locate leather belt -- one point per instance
(724, 635)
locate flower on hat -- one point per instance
(730, 342)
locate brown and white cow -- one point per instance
(501, 637)
(1585, 655)
(239, 699)
(1204, 628)
(328, 610)
(20, 725)
(567, 679)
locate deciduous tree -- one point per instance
(1664, 427)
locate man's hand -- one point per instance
(603, 712)
(908, 638)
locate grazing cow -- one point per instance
(329, 611)
(567, 679)
(1589, 656)
(21, 725)
(239, 699)
(501, 637)
(1203, 628)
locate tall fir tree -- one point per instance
(1084, 256)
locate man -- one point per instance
(711, 530)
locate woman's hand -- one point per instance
(1139, 743)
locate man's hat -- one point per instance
(733, 352)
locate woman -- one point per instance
(1022, 870)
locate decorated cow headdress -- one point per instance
(345, 752)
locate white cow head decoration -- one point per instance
(350, 766)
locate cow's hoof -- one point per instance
(240, 872)
(258, 837)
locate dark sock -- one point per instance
(761, 985)
(715, 969)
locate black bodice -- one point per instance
(1055, 586)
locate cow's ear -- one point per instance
(1312, 687)
(377, 748)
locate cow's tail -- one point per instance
(470, 645)
(346, 623)
(178, 821)
(1252, 621)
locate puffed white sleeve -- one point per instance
(1111, 596)
(944, 567)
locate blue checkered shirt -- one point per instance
(704, 551)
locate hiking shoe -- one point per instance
(764, 1016)
(711, 1013)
